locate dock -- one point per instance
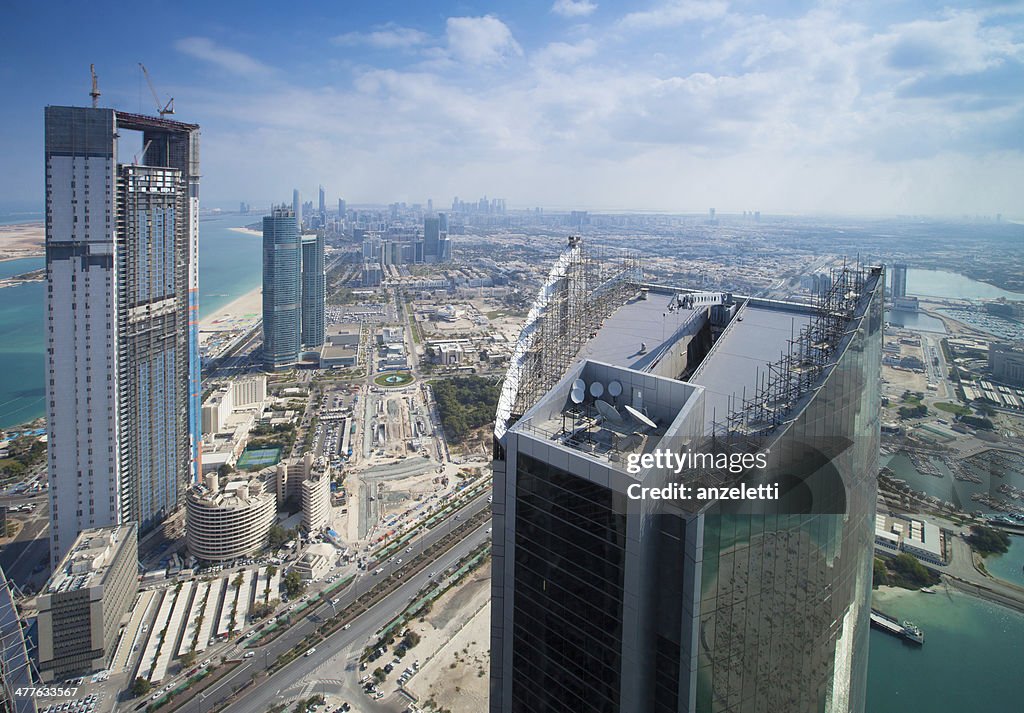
(906, 631)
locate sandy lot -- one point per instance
(455, 649)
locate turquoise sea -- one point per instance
(969, 662)
(229, 266)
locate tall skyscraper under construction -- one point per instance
(123, 381)
(607, 600)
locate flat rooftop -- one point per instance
(89, 559)
(758, 335)
(638, 322)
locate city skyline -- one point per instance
(663, 106)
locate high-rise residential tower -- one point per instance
(314, 287)
(614, 590)
(122, 320)
(282, 289)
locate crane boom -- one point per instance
(95, 93)
(165, 109)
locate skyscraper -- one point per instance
(606, 600)
(282, 289)
(431, 237)
(899, 280)
(122, 320)
(342, 209)
(314, 286)
(323, 207)
(297, 209)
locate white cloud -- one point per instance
(231, 60)
(481, 40)
(573, 8)
(676, 12)
(390, 36)
(827, 110)
(565, 53)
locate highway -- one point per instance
(361, 627)
(306, 669)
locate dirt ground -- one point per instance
(454, 651)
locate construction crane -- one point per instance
(168, 108)
(95, 93)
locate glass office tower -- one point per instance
(602, 602)
(282, 290)
(314, 290)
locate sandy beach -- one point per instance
(238, 314)
(22, 240)
(247, 231)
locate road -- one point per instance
(32, 546)
(270, 691)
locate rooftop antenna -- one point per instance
(168, 108)
(95, 93)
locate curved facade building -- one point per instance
(607, 599)
(224, 523)
(282, 290)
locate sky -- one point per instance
(876, 108)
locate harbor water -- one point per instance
(969, 660)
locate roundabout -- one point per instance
(394, 380)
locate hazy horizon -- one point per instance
(795, 108)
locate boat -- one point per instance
(926, 590)
(912, 632)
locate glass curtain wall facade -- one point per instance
(615, 605)
(314, 289)
(282, 290)
(785, 597)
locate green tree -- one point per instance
(293, 584)
(379, 675)
(188, 658)
(278, 536)
(141, 687)
(879, 575)
(988, 540)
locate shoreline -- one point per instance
(247, 231)
(239, 313)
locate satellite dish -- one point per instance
(608, 411)
(640, 417)
(596, 389)
(614, 388)
(579, 385)
(577, 395)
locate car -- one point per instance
(408, 549)
(398, 561)
(347, 626)
(310, 652)
(378, 570)
(249, 654)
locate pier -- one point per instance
(906, 631)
